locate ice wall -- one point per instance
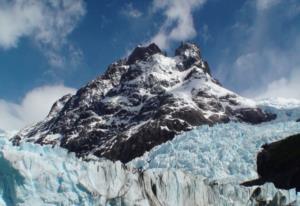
(35, 175)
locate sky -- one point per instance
(53, 47)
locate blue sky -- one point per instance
(52, 47)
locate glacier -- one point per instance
(36, 175)
(42, 175)
(201, 167)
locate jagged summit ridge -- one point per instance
(141, 102)
(141, 53)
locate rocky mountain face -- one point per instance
(141, 102)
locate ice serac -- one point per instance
(141, 102)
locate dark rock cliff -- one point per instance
(279, 163)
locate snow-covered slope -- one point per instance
(141, 102)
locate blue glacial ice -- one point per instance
(36, 175)
(224, 151)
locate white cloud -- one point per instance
(179, 23)
(260, 66)
(269, 72)
(34, 107)
(285, 87)
(288, 88)
(263, 60)
(47, 22)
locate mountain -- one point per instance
(140, 102)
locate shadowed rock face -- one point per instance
(298, 120)
(141, 53)
(279, 163)
(141, 102)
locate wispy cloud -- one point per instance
(286, 87)
(34, 107)
(130, 11)
(46, 22)
(266, 4)
(178, 24)
(266, 51)
(204, 33)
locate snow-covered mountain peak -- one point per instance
(189, 55)
(141, 102)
